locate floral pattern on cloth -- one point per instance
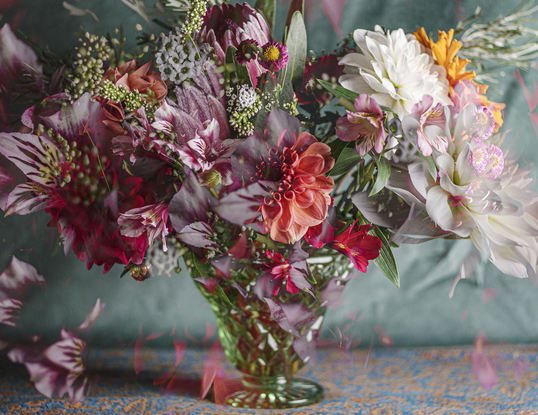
(395, 381)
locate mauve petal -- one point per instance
(18, 275)
(123, 81)
(25, 199)
(141, 84)
(347, 130)
(92, 316)
(47, 379)
(143, 70)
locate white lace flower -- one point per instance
(393, 70)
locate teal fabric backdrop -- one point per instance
(418, 313)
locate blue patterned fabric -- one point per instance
(395, 381)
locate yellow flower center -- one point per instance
(495, 160)
(272, 53)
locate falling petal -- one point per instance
(384, 338)
(19, 274)
(464, 316)
(488, 294)
(211, 366)
(92, 316)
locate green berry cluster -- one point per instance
(89, 65)
(195, 18)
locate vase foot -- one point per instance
(288, 394)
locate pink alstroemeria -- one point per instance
(426, 125)
(283, 271)
(365, 126)
(357, 245)
(151, 220)
(58, 369)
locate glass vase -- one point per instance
(256, 337)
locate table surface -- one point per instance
(394, 381)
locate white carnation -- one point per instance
(393, 70)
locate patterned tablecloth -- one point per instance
(394, 381)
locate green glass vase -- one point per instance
(255, 339)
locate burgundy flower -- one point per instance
(365, 126)
(146, 222)
(246, 51)
(274, 56)
(356, 244)
(325, 68)
(76, 179)
(228, 25)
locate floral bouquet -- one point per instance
(224, 149)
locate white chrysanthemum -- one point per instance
(393, 70)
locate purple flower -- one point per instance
(274, 56)
(57, 369)
(365, 126)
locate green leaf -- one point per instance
(222, 295)
(295, 6)
(383, 174)
(297, 51)
(338, 91)
(385, 261)
(347, 157)
(337, 146)
(201, 267)
(268, 10)
(432, 169)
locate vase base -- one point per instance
(295, 393)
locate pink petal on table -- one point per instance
(92, 316)
(521, 365)
(224, 385)
(384, 338)
(333, 9)
(488, 294)
(483, 367)
(211, 366)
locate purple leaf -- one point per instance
(92, 316)
(331, 295)
(224, 264)
(278, 315)
(243, 206)
(297, 255)
(188, 205)
(306, 349)
(199, 235)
